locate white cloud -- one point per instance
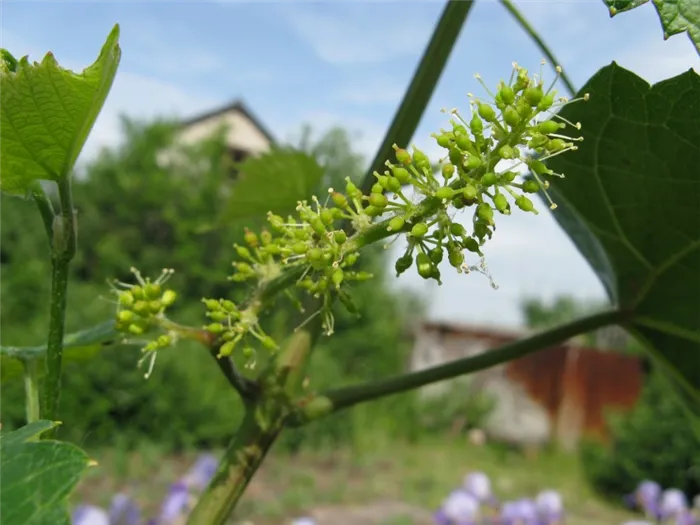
(356, 36)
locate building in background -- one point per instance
(558, 394)
(245, 135)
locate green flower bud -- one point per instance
(489, 179)
(533, 95)
(476, 125)
(481, 229)
(377, 188)
(445, 193)
(457, 229)
(548, 126)
(215, 328)
(250, 238)
(499, 134)
(448, 170)
(470, 192)
(457, 129)
(314, 255)
(352, 190)
(507, 94)
(227, 348)
(443, 140)
(155, 306)
(508, 176)
(163, 340)
(521, 82)
(485, 212)
(138, 293)
(435, 255)
(537, 141)
(486, 112)
(501, 203)
(555, 145)
(276, 221)
(506, 152)
(546, 101)
(383, 180)
(373, 211)
(229, 306)
(394, 185)
(339, 199)
(523, 108)
(351, 258)
(422, 160)
(401, 174)
(473, 162)
(299, 248)
(396, 224)
(326, 216)
(419, 230)
(242, 252)
(511, 116)
(456, 257)
(217, 316)
(378, 200)
(126, 299)
(403, 263)
(340, 237)
(136, 329)
(141, 308)
(531, 186)
(470, 244)
(268, 342)
(499, 101)
(152, 291)
(456, 156)
(124, 316)
(403, 156)
(337, 277)
(539, 167)
(317, 408)
(212, 304)
(463, 142)
(524, 203)
(424, 265)
(265, 237)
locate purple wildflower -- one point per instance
(90, 515)
(123, 511)
(646, 497)
(550, 507)
(199, 476)
(175, 505)
(673, 503)
(478, 485)
(304, 521)
(460, 508)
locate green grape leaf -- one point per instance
(631, 204)
(77, 346)
(677, 16)
(47, 113)
(275, 182)
(38, 476)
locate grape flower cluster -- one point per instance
(515, 130)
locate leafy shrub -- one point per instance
(652, 441)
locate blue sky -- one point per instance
(347, 63)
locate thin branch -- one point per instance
(45, 208)
(349, 396)
(247, 389)
(63, 245)
(538, 40)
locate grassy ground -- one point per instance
(390, 484)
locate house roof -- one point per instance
(236, 105)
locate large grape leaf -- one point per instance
(77, 346)
(677, 16)
(275, 182)
(38, 476)
(631, 203)
(47, 112)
